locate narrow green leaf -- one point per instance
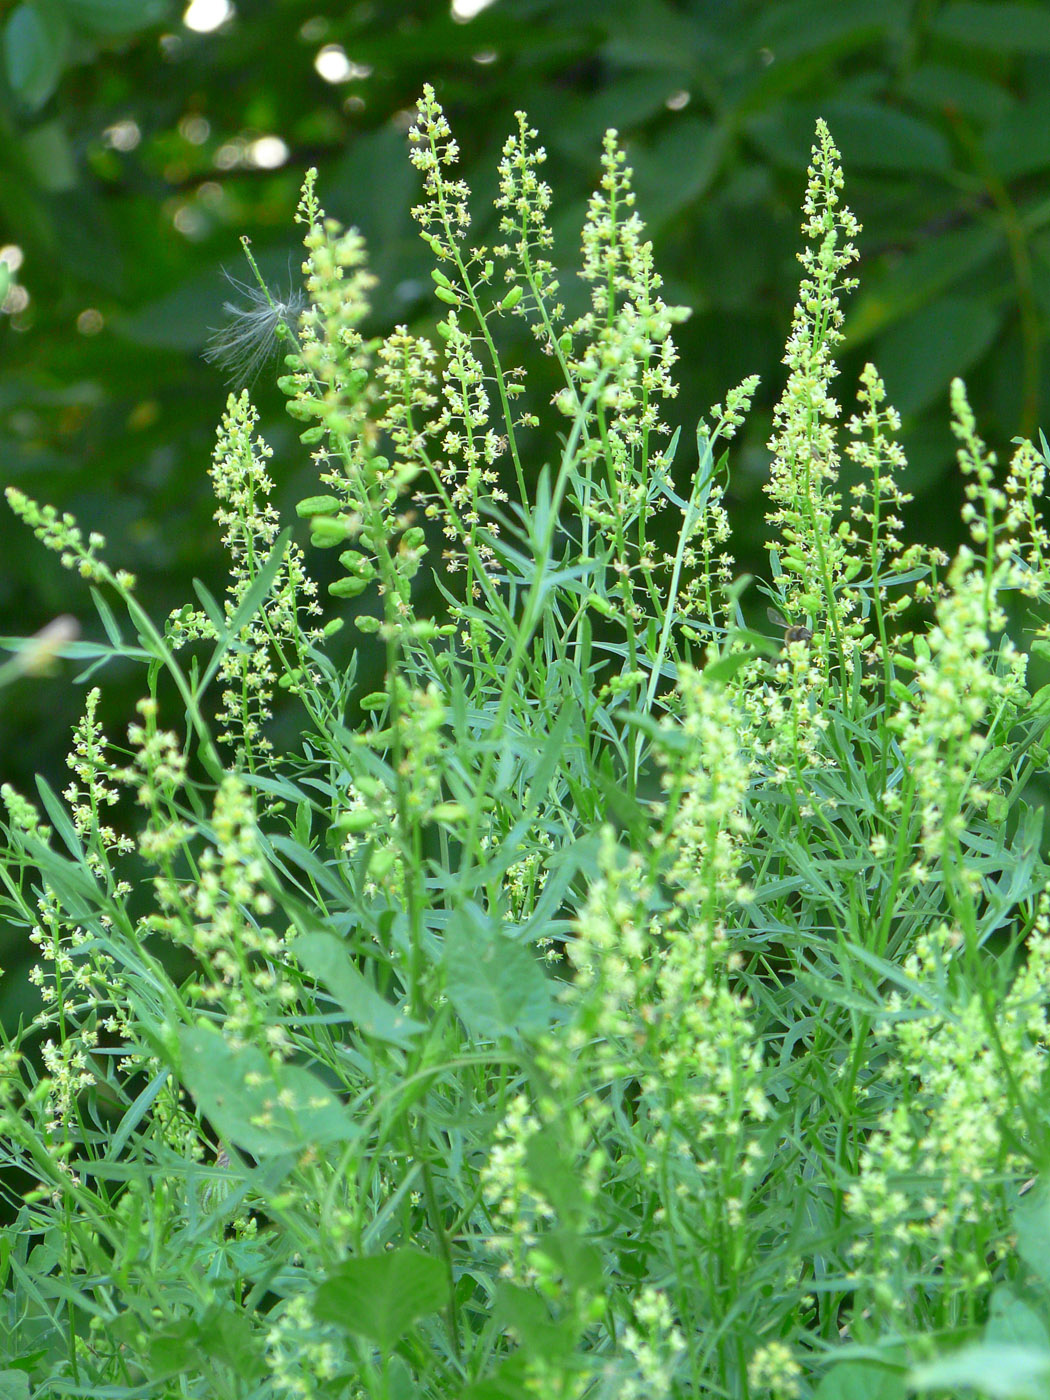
(999, 27)
(1020, 144)
(34, 52)
(60, 819)
(111, 18)
(920, 355)
(229, 631)
(105, 612)
(209, 603)
(135, 1114)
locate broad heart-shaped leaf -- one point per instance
(14, 1385)
(999, 1370)
(264, 1112)
(495, 984)
(507, 1382)
(553, 1175)
(379, 1296)
(861, 1380)
(323, 956)
(1015, 1321)
(524, 1314)
(222, 1334)
(1032, 1227)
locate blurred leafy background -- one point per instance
(140, 138)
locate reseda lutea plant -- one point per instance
(633, 1005)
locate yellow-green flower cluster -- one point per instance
(773, 1373)
(958, 1065)
(270, 646)
(959, 684)
(1025, 488)
(444, 216)
(655, 1344)
(804, 471)
(627, 356)
(705, 531)
(218, 915)
(706, 782)
(62, 534)
(332, 360)
(876, 533)
(96, 787)
(524, 201)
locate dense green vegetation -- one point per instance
(616, 1000)
(129, 168)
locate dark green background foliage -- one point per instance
(941, 111)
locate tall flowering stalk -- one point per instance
(272, 643)
(804, 471)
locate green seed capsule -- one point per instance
(998, 809)
(326, 531)
(357, 564)
(303, 409)
(352, 822)
(381, 863)
(317, 505)
(348, 587)
(993, 764)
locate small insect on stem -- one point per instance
(793, 631)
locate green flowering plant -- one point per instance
(632, 1003)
